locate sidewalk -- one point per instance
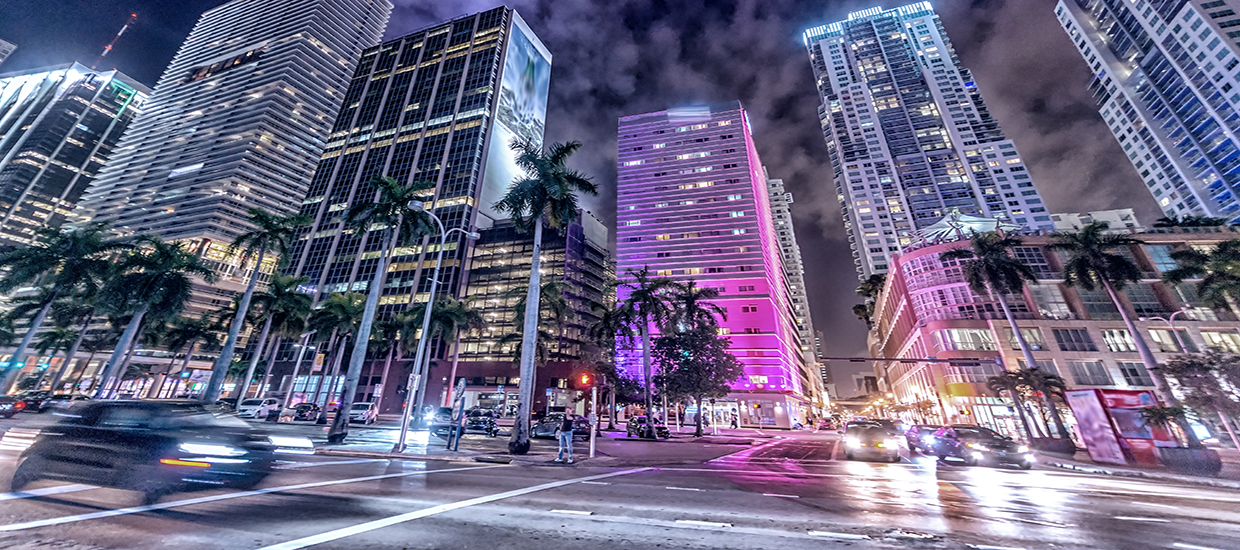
(1228, 478)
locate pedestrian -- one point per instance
(565, 435)
(733, 415)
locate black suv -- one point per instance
(977, 445)
(154, 447)
(482, 420)
(640, 426)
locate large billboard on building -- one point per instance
(520, 113)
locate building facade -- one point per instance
(693, 204)
(1121, 220)
(237, 121)
(794, 270)
(1167, 85)
(927, 310)
(909, 134)
(57, 129)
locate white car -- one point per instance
(257, 408)
(366, 413)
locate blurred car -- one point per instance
(921, 437)
(257, 408)
(868, 441)
(10, 406)
(640, 426)
(441, 421)
(63, 401)
(153, 447)
(852, 423)
(34, 400)
(482, 421)
(547, 426)
(306, 411)
(977, 445)
(228, 403)
(366, 413)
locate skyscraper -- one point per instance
(794, 270)
(237, 121)
(6, 49)
(909, 135)
(57, 129)
(693, 204)
(1167, 85)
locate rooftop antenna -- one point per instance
(132, 17)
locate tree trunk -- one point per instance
(77, 343)
(292, 386)
(456, 356)
(519, 443)
(274, 348)
(6, 384)
(1161, 387)
(387, 367)
(318, 388)
(611, 408)
(243, 388)
(118, 351)
(698, 421)
(340, 425)
(331, 382)
(647, 369)
(120, 376)
(220, 370)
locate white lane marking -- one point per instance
(749, 450)
(989, 547)
(1046, 523)
(178, 503)
(300, 465)
(572, 512)
(379, 524)
(703, 523)
(57, 490)
(845, 536)
(1148, 520)
(779, 495)
(595, 483)
(1156, 505)
(1187, 546)
(682, 489)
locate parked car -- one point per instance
(482, 421)
(366, 413)
(257, 408)
(640, 426)
(921, 437)
(63, 401)
(867, 441)
(441, 421)
(154, 447)
(547, 426)
(10, 406)
(306, 411)
(977, 445)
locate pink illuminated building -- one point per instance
(693, 205)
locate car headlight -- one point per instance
(852, 442)
(977, 456)
(927, 439)
(291, 445)
(1022, 449)
(977, 447)
(1029, 457)
(209, 449)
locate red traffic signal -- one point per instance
(583, 380)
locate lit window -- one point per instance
(662, 237)
(634, 162)
(631, 223)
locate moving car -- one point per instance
(153, 447)
(547, 426)
(306, 411)
(866, 441)
(10, 406)
(482, 421)
(257, 408)
(921, 437)
(977, 445)
(63, 401)
(640, 426)
(366, 413)
(34, 400)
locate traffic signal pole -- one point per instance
(593, 417)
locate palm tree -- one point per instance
(79, 310)
(154, 279)
(690, 308)
(271, 234)
(647, 304)
(1010, 382)
(287, 310)
(546, 195)
(186, 334)
(64, 262)
(613, 324)
(869, 289)
(1219, 271)
(1093, 262)
(455, 316)
(338, 315)
(50, 343)
(390, 217)
(1050, 386)
(1189, 221)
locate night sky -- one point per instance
(619, 57)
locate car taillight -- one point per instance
(19, 405)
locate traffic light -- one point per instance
(757, 406)
(583, 380)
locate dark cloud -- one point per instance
(618, 57)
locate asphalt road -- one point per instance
(788, 494)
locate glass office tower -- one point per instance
(910, 138)
(57, 129)
(1167, 84)
(237, 121)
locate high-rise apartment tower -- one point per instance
(794, 270)
(1167, 84)
(6, 49)
(909, 136)
(237, 121)
(57, 129)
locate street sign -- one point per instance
(549, 392)
(460, 390)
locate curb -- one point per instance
(1206, 482)
(402, 456)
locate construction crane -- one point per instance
(132, 17)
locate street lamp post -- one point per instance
(1170, 320)
(426, 322)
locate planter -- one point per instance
(1197, 462)
(1062, 447)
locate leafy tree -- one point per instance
(273, 234)
(1049, 386)
(647, 304)
(1200, 379)
(1010, 382)
(282, 306)
(1092, 262)
(1189, 221)
(1219, 271)
(63, 262)
(187, 333)
(155, 279)
(691, 308)
(869, 289)
(696, 363)
(388, 217)
(546, 195)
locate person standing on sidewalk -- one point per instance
(565, 435)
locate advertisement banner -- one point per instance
(1095, 426)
